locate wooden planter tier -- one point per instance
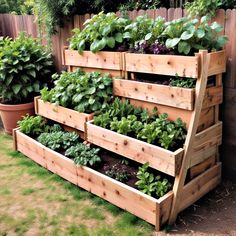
(61, 114)
(154, 211)
(142, 152)
(184, 66)
(110, 62)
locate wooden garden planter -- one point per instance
(107, 62)
(62, 115)
(154, 211)
(142, 152)
(183, 66)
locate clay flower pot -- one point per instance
(10, 114)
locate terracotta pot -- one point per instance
(10, 114)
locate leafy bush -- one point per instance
(83, 155)
(32, 125)
(59, 140)
(156, 129)
(24, 69)
(102, 31)
(187, 36)
(83, 92)
(150, 184)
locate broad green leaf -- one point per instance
(32, 73)
(217, 27)
(16, 88)
(91, 90)
(91, 100)
(106, 30)
(200, 33)
(186, 35)
(110, 42)
(119, 37)
(148, 36)
(171, 43)
(36, 86)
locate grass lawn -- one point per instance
(33, 201)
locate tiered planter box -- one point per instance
(106, 62)
(154, 211)
(198, 108)
(65, 116)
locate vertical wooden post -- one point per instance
(200, 93)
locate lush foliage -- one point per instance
(83, 155)
(15, 6)
(102, 31)
(187, 36)
(32, 125)
(203, 7)
(83, 92)
(58, 140)
(150, 184)
(25, 68)
(183, 82)
(156, 129)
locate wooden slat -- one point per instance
(202, 167)
(208, 134)
(142, 152)
(103, 60)
(61, 166)
(30, 148)
(62, 115)
(184, 66)
(213, 96)
(154, 93)
(217, 63)
(200, 186)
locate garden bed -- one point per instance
(154, 211)
(183, 66)
(62, 115)
(159, 158)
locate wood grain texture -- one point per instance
(154, 93)
(142, 152)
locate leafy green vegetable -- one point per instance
(150, 184)
(83, 92)
(83, 155)
(117, 172)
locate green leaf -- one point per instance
(16, 88)
(36, 86)
(127, 35)
(106, 30)
(186, 35)
(148, 36)
(200, 33)
(91, 100)
(92, 90)
(119, 37)
(110, 42)
(217, 27)
(32, 73)
(171, 43)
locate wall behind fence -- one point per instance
(11, 25)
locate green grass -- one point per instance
(54, 206)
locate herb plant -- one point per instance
(117, 172)
(150, 184)
(83, 155)
(102, 31)
(32, 125)
(153, 128)
(25, 67)
(83, 92)
(183, 82)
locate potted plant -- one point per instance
(24, 69)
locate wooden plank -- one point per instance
(142, 152)
(217, 63)
(113, 73)
(184, 66)
(155, 93)
(103, 60)
(30, 148)
(200, 186)
(207, 134)
(213, 97)
(161, 12)
(202, 167)
(61, 166)
(62, 115)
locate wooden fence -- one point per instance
(11, 25)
